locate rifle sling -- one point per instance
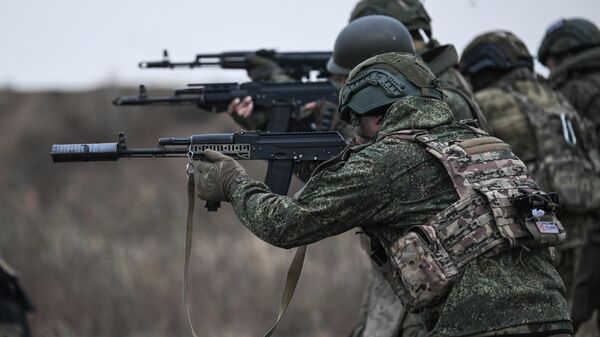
(293, 274)
(189, 229)
(291, 281)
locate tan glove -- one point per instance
(216, 175)
(263, 69)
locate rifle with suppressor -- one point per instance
(297, 65)
(284, 151)
(281, 99)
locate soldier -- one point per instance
(441, 59)
(437, 198)
(14, 304)
(381, 314)
(544, 130)
(365, 38)
(571, 50)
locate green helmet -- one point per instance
(382, 80)
(366, 37)
(496, 50)
(410, 12)
(568, 35)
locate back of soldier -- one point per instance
(571, 50)
(543, 129)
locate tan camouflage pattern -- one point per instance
(382, 314)
(390, 186)
(487, 176)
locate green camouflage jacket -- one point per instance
(387, 187)
(579, 79)
(457, 91)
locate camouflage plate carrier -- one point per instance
(500, 207)
(564, 156)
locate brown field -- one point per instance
(99, 246)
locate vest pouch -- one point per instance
(416, 274)
(546, 230)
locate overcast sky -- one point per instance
(78, 44)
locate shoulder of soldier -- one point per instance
(495, 100)
(583, 93)
(453, 78)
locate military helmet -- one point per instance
(366, 37)
(410, 12)
(568, 35)
(497, 50)
(383, 79)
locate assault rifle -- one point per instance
(281, 99)
(298, 65)
(284, 151)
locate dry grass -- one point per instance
(100, 245)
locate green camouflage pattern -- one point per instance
(487, 176)
(568, 36)
(528, 114)
(514, 107)
(10, 330)
(411, 13)
(579, 80)
(513, 51)
(459, 97)
(389, 186)
(586, 290)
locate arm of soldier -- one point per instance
(242, 110)
(335, 200)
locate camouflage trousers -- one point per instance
(382, 314)
(586, 293)
(569, 253)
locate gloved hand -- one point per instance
(216, 174)
(263, 69)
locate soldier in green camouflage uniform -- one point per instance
(378, 316)
(393, 185)
(366, 37)
(571, 50)
(442, 59)
(545, 131)
(14, 304)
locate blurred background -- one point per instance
(99, 246)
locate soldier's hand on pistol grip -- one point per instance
(216, 176)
